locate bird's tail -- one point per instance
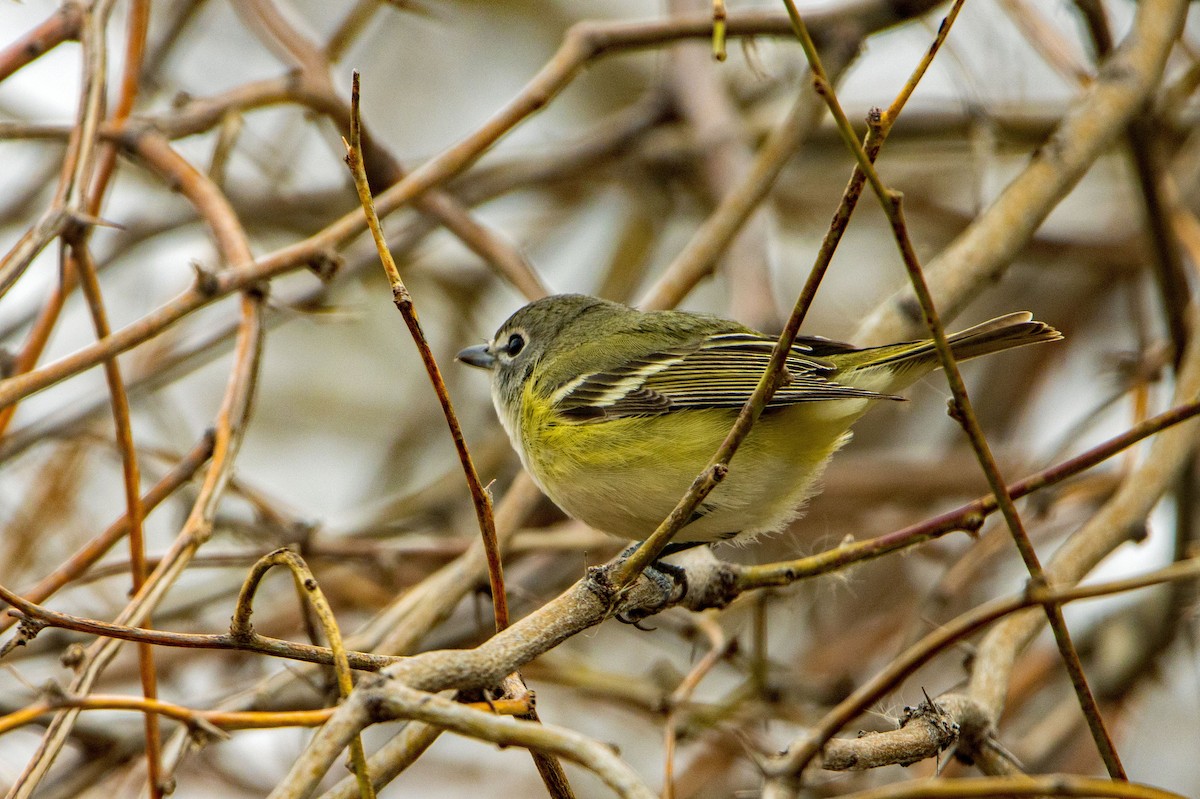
(917, 357)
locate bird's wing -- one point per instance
(721, 371)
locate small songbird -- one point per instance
(614, 411)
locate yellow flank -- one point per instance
(625, 475)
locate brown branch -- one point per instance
(480, 497)
(806, 750)
(983, 251)
(64, 25)
(1000, 787)
(240, 640)
(85, 267)
(80, 263)
(95, 549)
(594, 38)
(206, 721)
(309, 591)
(229, 428)
(962, 409)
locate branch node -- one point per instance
(206, 282)
(259, 292)
(27, 629)
(326, 264)
(972, 523)
(955, 412)
(53, 693)
(73, 657)
(204, 731)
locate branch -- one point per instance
(985, 249)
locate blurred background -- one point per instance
(346, 455)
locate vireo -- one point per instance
(614, 411)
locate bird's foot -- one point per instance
(669, 579)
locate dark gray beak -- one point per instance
(479, 355)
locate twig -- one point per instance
(963, 411)
(718, 647)
(1053, 48)
(400, 295)
(206, 720)
(135, 512)
(201, 720)
(1000, 787)
(392, 700)
(977, 256)
(804, 751)
(310, 591)
(64, 25)
(719, 15)
(242, 640)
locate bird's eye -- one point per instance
(516, 343)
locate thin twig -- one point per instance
(806, 750)
(480, 497)
(963, 410)
(243, 640)
(718, 647)
(64, 25)
(229, 430)
(551, 771)
(1022, 785)
(207, 720)
(310, 591)
(85, 267)
(991, 242)
(593, 38)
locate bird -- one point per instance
(614, 411)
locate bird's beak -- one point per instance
(480, 355)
